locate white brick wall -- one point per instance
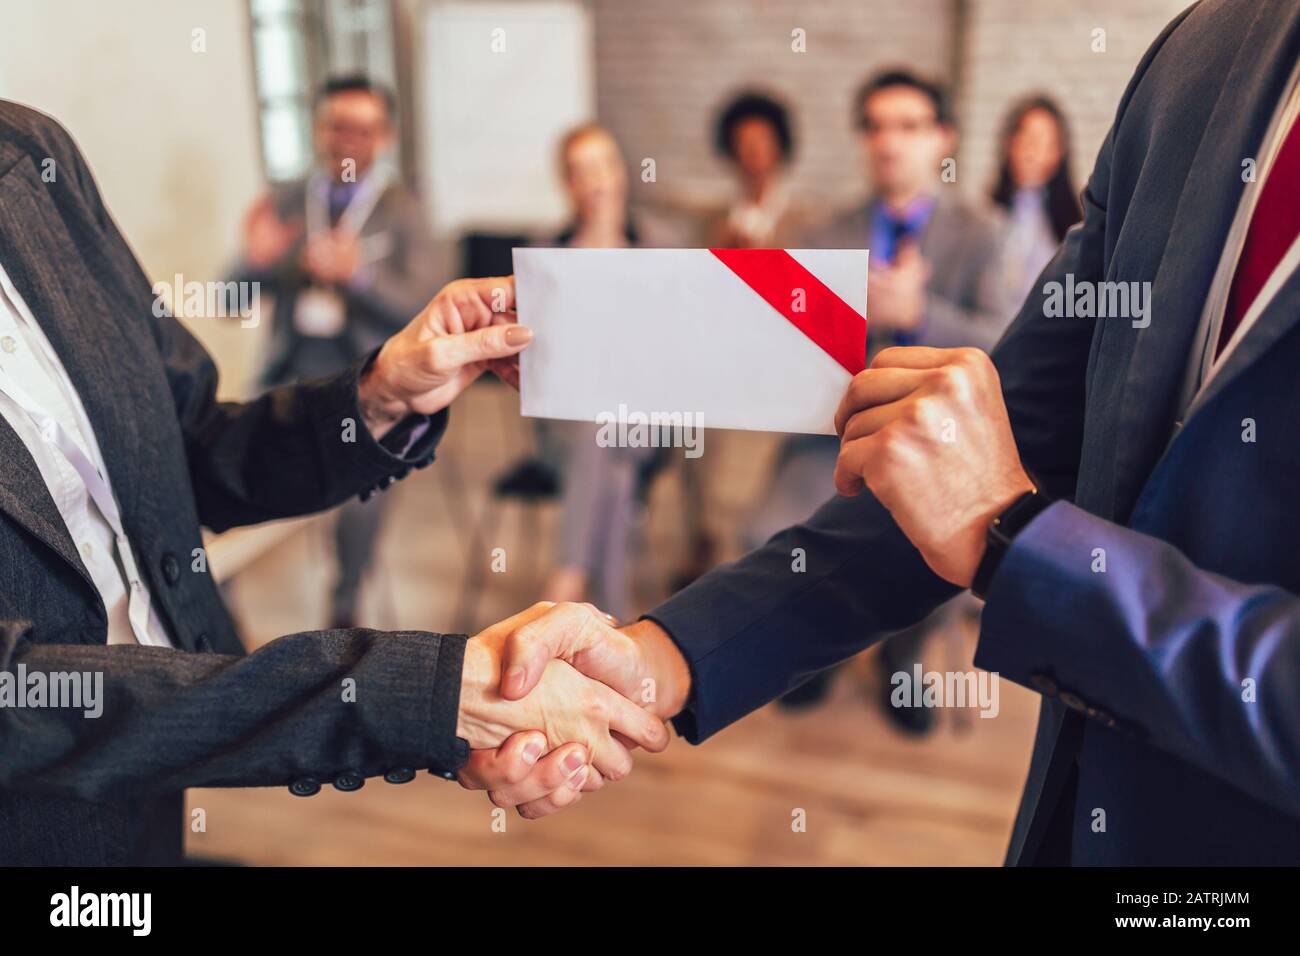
(664, 66)
(1015, 47)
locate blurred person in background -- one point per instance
(754, 134)
(1035, 189)
(601, 490)
(347, 252)
(935, 279)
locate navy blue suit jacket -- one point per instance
(1170, 681)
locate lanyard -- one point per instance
(97, 487)
(358, 210)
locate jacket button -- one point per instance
(202, 644)
(306, 787)
(171, 568)
(445, 774)
(1043, 684)
(349, 780)
(400, 775)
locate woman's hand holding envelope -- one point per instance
(466, 329)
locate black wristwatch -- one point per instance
(1001, 533)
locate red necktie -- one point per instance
(1273, 227)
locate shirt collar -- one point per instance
(914, 215)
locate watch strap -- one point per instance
(1002, 531)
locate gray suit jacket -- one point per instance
(966, 303)
(390, 290)
(78, 790)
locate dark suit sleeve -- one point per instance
(307, 705)
(753, 629)
(313, 704)
(1198, 665)
(294, 450)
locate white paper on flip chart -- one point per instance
(753, 339)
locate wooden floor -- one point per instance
(868, 795)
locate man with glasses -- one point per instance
(349, 256)
(933, 281)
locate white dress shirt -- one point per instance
(30, 368)
(1204, 364)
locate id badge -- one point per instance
(319, 314)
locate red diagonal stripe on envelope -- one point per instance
(835, 326)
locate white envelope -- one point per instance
(762, 339)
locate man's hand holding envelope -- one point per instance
(927, 431)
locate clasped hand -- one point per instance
(555, 698)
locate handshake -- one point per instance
(554, 699)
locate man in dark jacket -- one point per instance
(1121, 492)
